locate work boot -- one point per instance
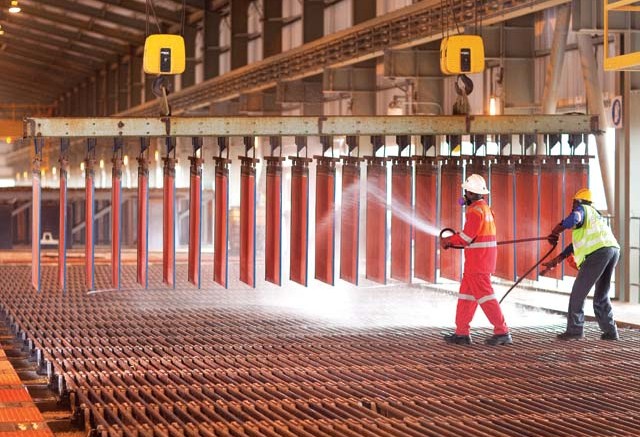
(499, 339)
(610, 336)
(457, 339)
(570, 336)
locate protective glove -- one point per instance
(554, 262)
(445, 243)
(571, 260)
(554, 236)
(553, 239)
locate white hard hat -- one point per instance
(475, 184)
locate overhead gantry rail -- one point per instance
(411, 26)
(61, 127)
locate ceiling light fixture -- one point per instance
(14, 8)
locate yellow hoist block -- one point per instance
(164, 54)
(460, 54)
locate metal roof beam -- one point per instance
(64, 57)
(89, 26)
(63, 45)
(162, 13)
(72, 35)
(43, 66)
(97, 14)
(407, 27)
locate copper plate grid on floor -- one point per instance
(238, 362)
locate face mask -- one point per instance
(463, 201)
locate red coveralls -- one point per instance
(480, 253)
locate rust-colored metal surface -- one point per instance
(503, 204)
(401, 218)
(426, 211)
(62, 224)
(248, 220)
(116, 219)
(218, 362)
(221, 227)
(36, 219)
(350, 220)
(552, 205)
(325, 219)
(376, 230)
(195, 219)
(299, 239)
(273, 212)
(527, 214)
(142, 244)
(89, 213)
(169, 222)
(451, 177)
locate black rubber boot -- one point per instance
(610, 336)
(457, 339)
(498, 340)
(570, 336)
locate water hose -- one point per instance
(522, 240)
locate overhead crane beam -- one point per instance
(98, 13)
(308, 126)
(407, 27)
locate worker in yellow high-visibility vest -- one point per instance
(594, 252)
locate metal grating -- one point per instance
(226, 362)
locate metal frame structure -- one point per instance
(623, 61)
(308, 126)
(37, 129)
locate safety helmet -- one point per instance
(475, 184)
(583, 194)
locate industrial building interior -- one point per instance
(253, 243)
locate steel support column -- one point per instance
(623, 153)
(595, 102)
(239, 33)
(211, 29)
(556, 61)
(272, 28)
(312, 20)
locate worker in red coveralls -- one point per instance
(480, 252)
